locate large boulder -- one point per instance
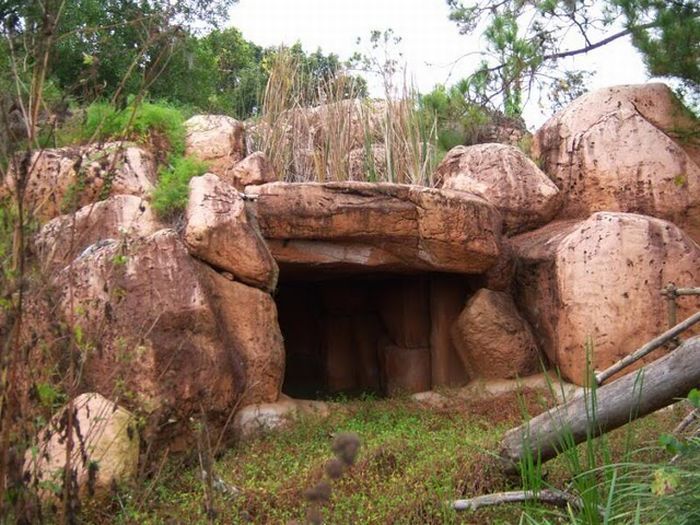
(594, 285)
(149, 333)
(249, 319)
(217, 140)
(263, 418)
(220, 230)
(368, 227)
(105, 447)
(493, 340)
(622, 149)
(505, 177)
(252, 170)
(119, 217)
(65, 179)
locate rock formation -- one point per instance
(593, 286)
(218, 140)
(268, 288)
(622, 149)
(506, 178)
(493, 340)
(105, 447)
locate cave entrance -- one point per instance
(381, 334)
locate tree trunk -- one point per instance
(652, 387)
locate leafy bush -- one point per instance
(103, 121)
(459, 122)
(170, 195)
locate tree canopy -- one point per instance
(527, 39)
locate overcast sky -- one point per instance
(431, 42)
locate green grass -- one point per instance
(103, 122)
(171, 193)
(412, 460)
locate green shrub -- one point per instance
(103, 121)
(171, 193)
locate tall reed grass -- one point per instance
(615, 486)
(343, 137)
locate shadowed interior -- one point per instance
(369, 333)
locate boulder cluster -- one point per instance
(509, 264)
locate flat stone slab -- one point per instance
(360, 226)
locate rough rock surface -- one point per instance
(220, 231)
(119, 217)
(505, 177)
(253, 170)
(615, 150)
(218, 140)
(103, 433)
(493, 340)
(249, 318)
(599, 280)
(151, 332)
(364, 226)
(263, 418)
(65, 179)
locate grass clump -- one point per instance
(137, 122)
(171, 193)
(159, 126)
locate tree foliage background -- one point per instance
(526, 41)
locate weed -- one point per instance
(171, 193)
(105, 122)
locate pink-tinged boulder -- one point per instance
(619, 149)
(105, 447)
(217, 140)
(505, 177)
(253, 170)
(150, 333)
(366, 227)
(65, 179)
(221, 231)
(493, 340)
(262, 418)
(598, 281)
(249, 319)
(119, 217)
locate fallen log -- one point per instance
(550, 496)
(652, 387)
(652, 345)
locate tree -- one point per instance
(527, 39)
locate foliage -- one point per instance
(395, 140)
(136, 122)
(525, 42)
(459, 121)
(170, 194)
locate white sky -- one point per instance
(430, 45)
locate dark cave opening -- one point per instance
(382, 334)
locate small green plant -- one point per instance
(140, 123)
(170, 195)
